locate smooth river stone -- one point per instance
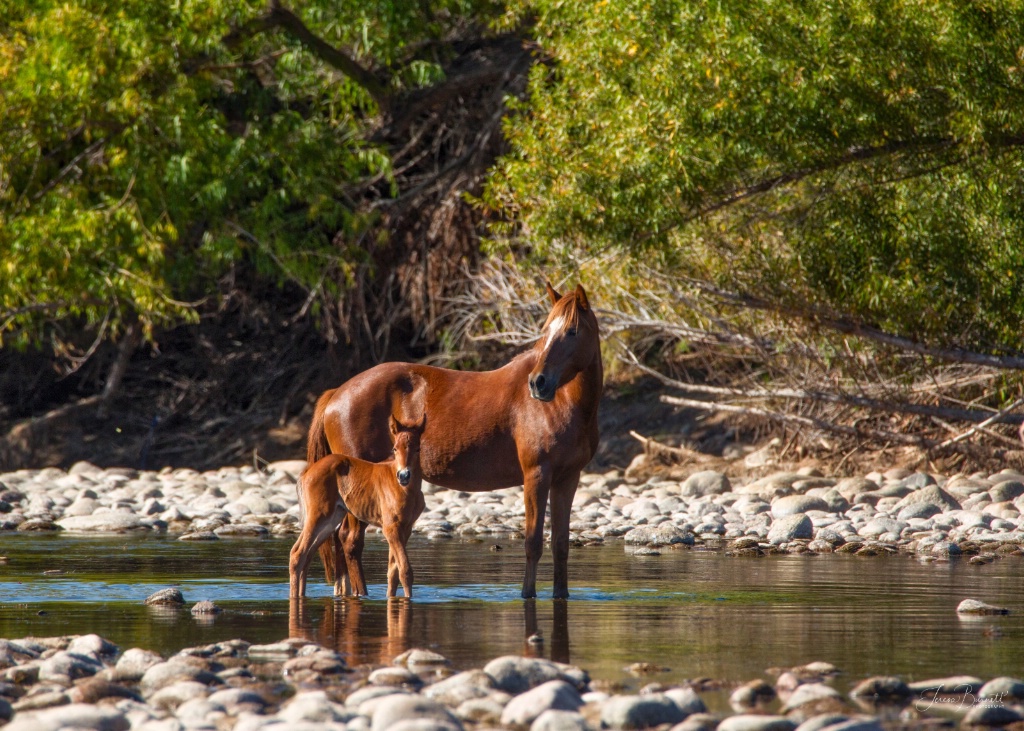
(76, 716)
(102, 523)
(790, 528)
(704, 483)
(639, 711)
(754, 722)
(795, 504)
(552, 695)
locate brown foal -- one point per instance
(387, 494)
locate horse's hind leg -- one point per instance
(562, 493)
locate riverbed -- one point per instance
(688, 613)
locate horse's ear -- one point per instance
(581, 297)
(552, 294)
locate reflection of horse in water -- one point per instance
(376, 633)
(354, 628)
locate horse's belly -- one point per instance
(473, 470)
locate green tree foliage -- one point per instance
(146, 148)
(861, 157)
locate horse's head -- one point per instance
(406, 448)
(569, 344)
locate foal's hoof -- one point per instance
(529, 593)
(560, 594)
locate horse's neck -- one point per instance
(591, 383)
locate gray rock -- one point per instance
(663, 534)
(63, 667)
(918, 480)
(515, 675)
(881, 687)
(704, 483)
(794, 504)
(850, 487)
(919, 510)
(371, 692)
(856, 724)
(553, 720)
(461, 687)
(205, 607)
(1008, 490)
(697, 722)
(790, 528)
(417, 656)
(932, 495)
(753, 722)
(316, 707)
(242, 530)
(234, 698)
(76, 716)
(686, 699)
(552, 695)
(992, 714)
(166, 673)
(175, 694)
(639, 711)
(102, 523)
(955, 684)
(172, 596)
(394, 676)
(946, 549)
(809, 693)
(413, 708)
(752, 693)
(486, 710)
(822, 721)
(973, 606)
(93, 644)
(1003, 688)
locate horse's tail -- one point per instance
(316, 443)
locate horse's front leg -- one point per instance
(536, 483)
(562, 493)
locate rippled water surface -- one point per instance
(697, 613)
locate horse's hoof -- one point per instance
(529, 593)
(560, 594)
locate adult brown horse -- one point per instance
(532, 422)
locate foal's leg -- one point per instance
(398, 561)
(354, 538)
(535, 495)
(318, 527)
(562, 493)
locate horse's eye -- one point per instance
(571, 332)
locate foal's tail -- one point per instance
(327, 556)
(316, 443)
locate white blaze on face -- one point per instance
(553, 329)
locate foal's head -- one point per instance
(569, 344)
(406, 449)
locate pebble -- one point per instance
(232, 684)
(921, 512)
(974, 606)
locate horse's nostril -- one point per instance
(539, 381)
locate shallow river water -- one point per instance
(694, 613)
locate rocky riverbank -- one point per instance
(934, 516)
(86, 682)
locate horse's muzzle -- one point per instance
(404, 476)
(542, 388)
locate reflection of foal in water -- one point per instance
(387, 494)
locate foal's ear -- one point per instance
(581, 297)
(393, 426)
(552, 294)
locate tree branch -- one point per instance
(277, 16)
(849, 327)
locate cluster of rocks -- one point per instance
(86, 682)
(934, 516)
